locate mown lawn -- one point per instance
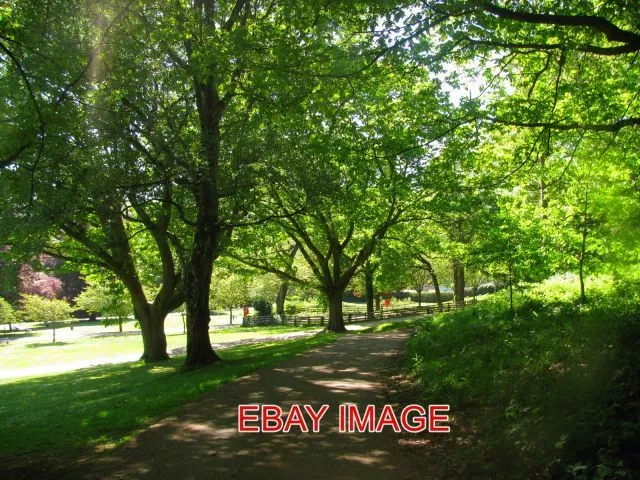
(91, 342)
(105, 405)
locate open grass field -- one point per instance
(90, 342)
(102, 406)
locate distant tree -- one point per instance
(229, 290)
(38, 283)
(49, 311)
(109, 300)
(7, 314)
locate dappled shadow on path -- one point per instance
(201, 440)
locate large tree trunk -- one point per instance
(419, 292)
(458, 281)
(336, 323)
(207, 235)
(153, 335)
(197, 283)
(281, 297)
(436, 289)
(369, 293)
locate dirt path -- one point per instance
(201, 440)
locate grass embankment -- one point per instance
(103, 406)
(550, 393)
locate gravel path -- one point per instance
(201, 441)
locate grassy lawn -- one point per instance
(92, 342)
(388, 326)
(105, 405)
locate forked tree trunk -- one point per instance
(153, 335)
(419, 292)
(336, 322)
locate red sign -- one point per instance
(246, 311)
(387, 302)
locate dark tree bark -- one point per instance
(197, 285)
(434, 278)
(419, 292)
(281, 298)
(209, 235)
(336, 322)
(283, 289)
(583, 251)
(152, 328)
(458, 281)
(369, 289)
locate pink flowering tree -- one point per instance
(38, 283)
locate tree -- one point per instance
(551, 52)
(38, 283)
(7, 314)
(229, 291)
(418, 278)
(51, 312)
(110, 300)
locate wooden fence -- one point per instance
(354, 317)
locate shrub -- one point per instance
(553, 389)
(263, 307)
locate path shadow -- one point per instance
(50, 344)
(114, 334)
(15, 336)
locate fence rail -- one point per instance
(354, 317)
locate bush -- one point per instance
(430, 296)
(554, 389)
(263, 307)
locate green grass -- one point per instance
(35, 349)
(551, 392)
(105, 405)
(388, 326)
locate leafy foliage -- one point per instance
(7, 313)
(517, 380)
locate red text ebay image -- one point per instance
(414, 418)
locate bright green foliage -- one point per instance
(547, 387)
(51, 312)
(108, 300)
(229, 291)
(7, 313)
